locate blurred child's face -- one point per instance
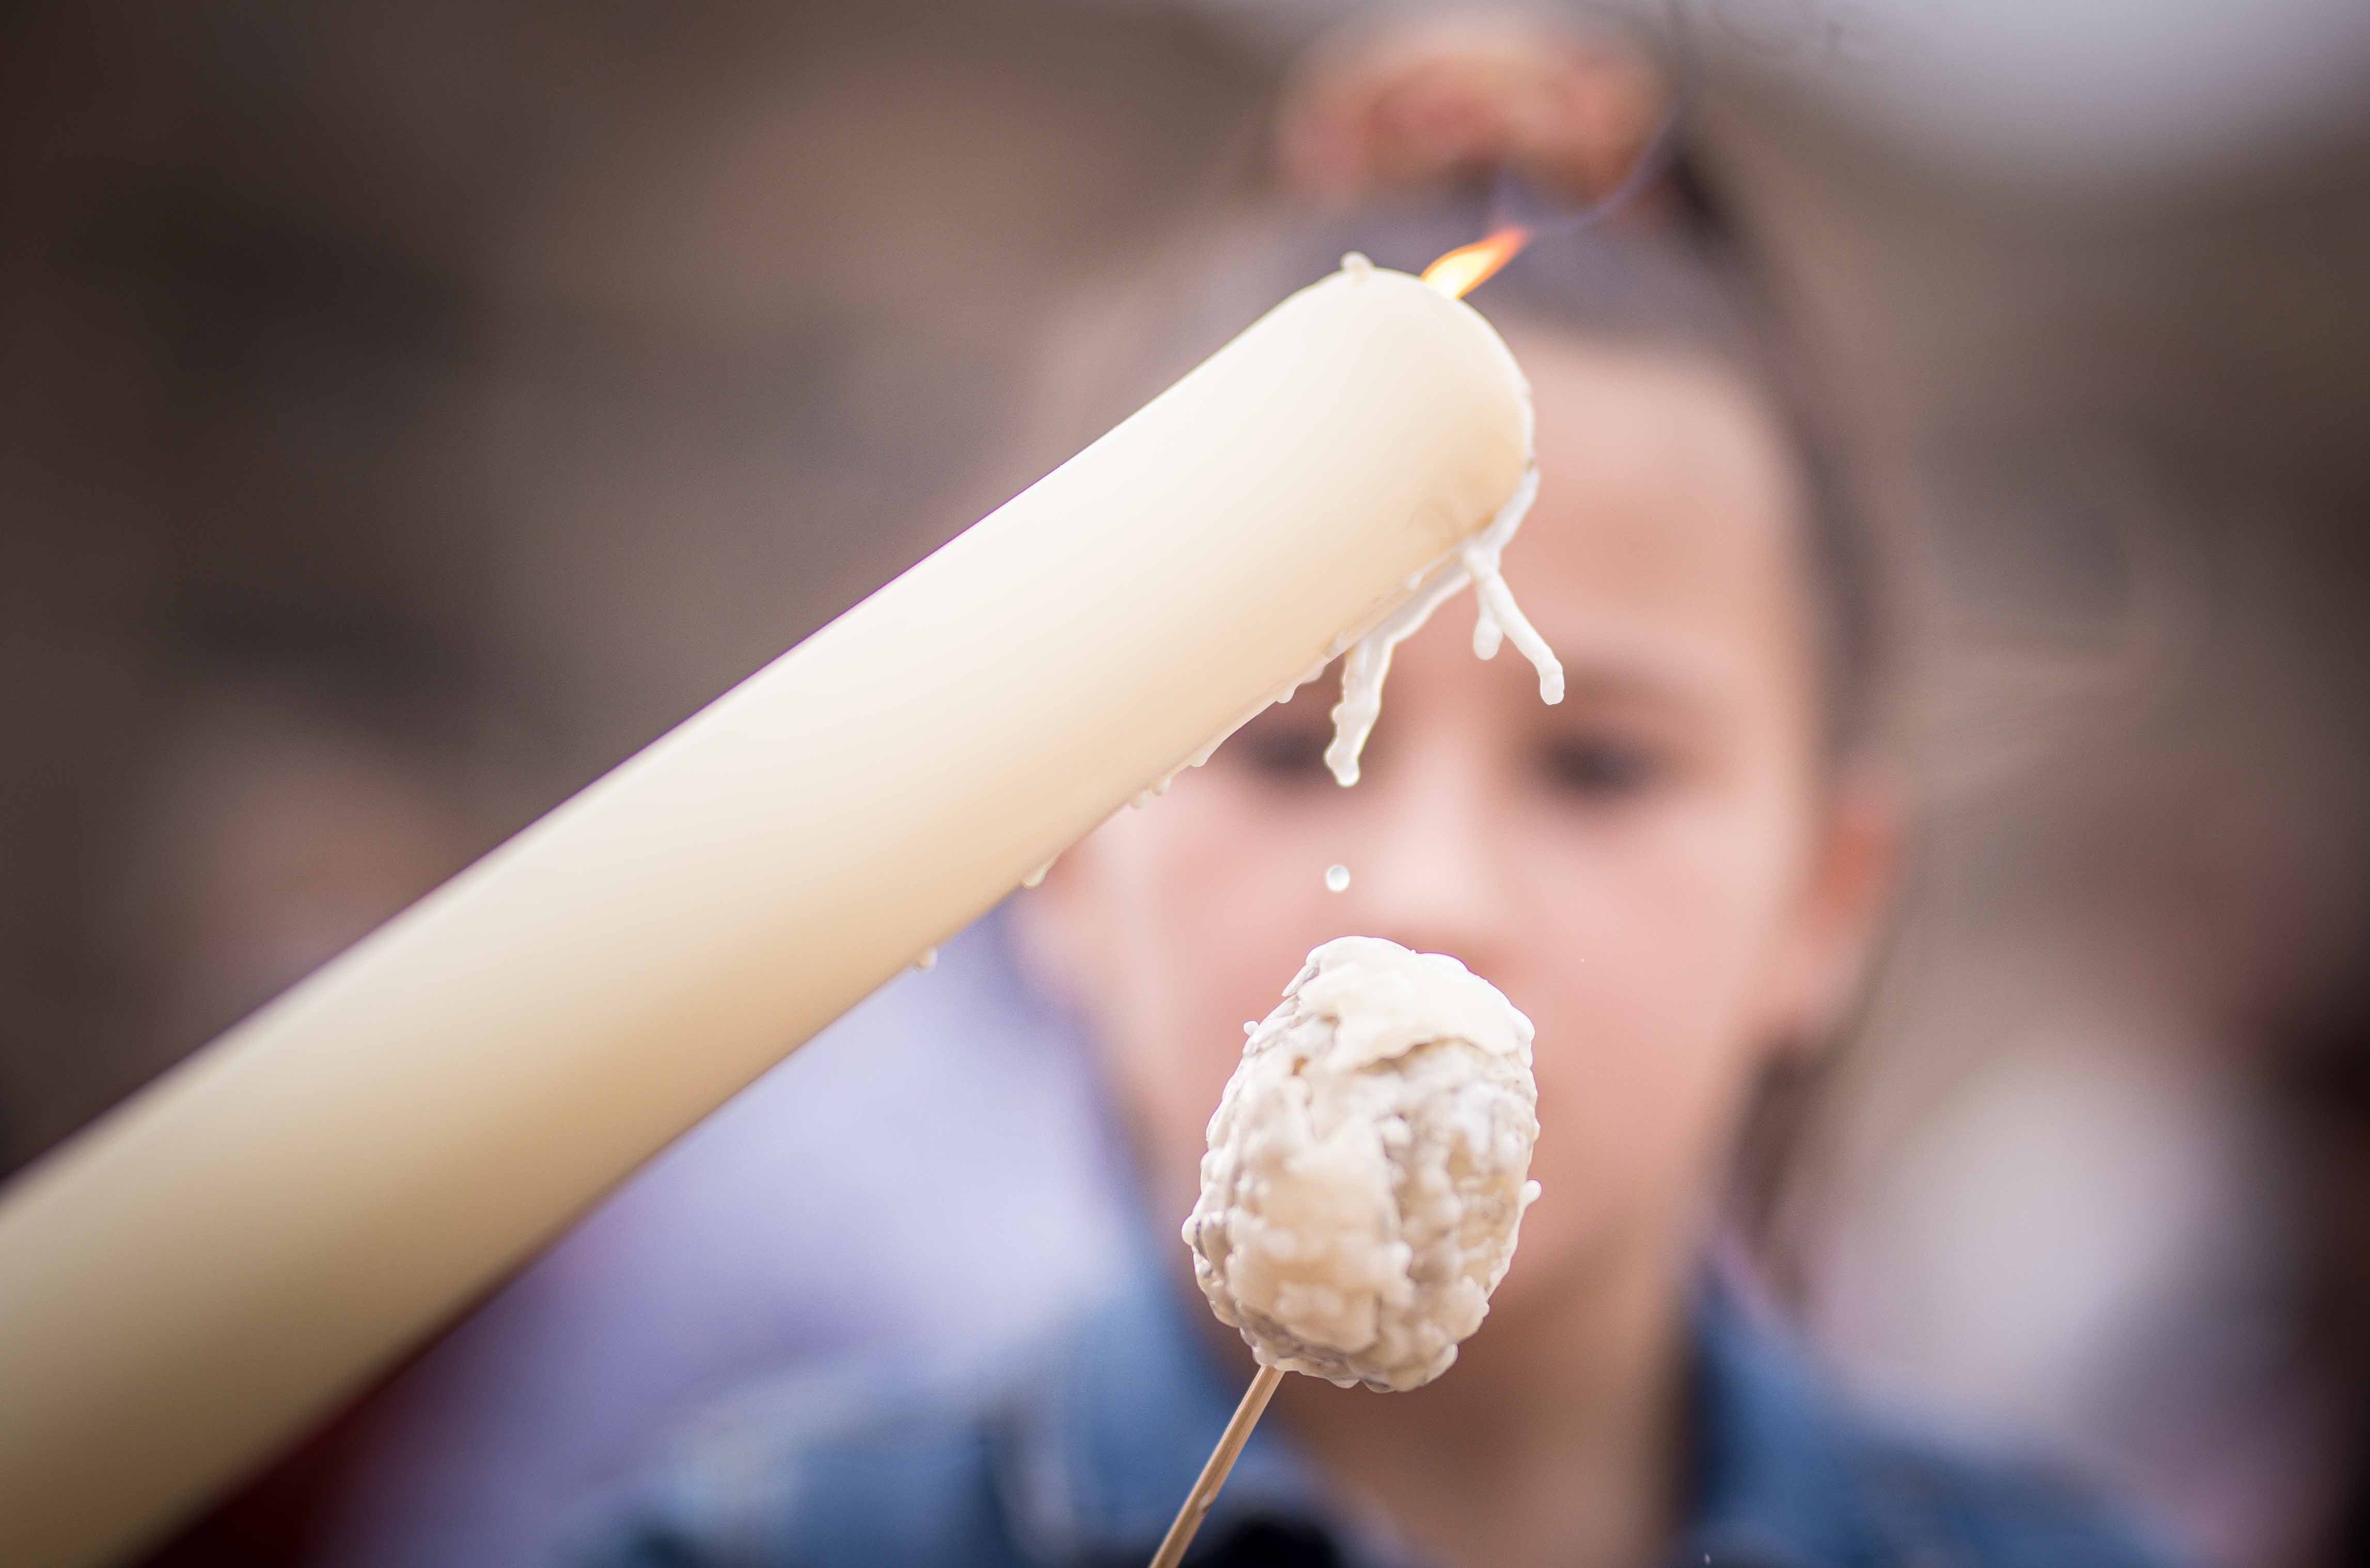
(1662, 871)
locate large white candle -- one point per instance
(245, 1242)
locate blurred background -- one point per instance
(408, 410)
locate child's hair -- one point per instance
(1680, 283)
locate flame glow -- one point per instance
(1468, 267)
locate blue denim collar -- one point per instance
(1773, 1480)
(1107, 1437)
(1111, 1433)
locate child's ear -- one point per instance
(1855, 866)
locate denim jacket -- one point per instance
(1077, 1455)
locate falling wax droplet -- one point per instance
(1337, 878)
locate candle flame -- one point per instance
(1468, 267)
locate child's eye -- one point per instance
(1599, 767)
(1282, 753)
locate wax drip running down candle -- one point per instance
(1475, 562)
(1499, 618)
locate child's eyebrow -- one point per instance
(1601, 679)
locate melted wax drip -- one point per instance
(1499, 618)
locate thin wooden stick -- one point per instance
(1214, 1475)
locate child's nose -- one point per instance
(1433, 877)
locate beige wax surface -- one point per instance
(1368, 1167)
(232, 1252)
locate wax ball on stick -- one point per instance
(1369, 1167)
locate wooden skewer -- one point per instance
(1214, 1475)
